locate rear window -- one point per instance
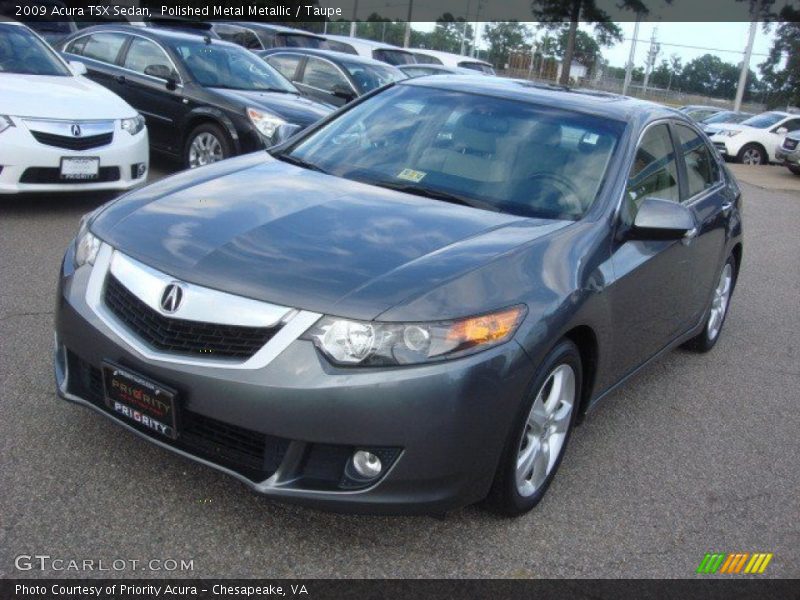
(394, 57)
(291, 40)
(474, 66)
(338, 47)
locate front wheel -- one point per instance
(794, 169)
(752, 154)
(706, 339)
(206, 144)
(539, 437)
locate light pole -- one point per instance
(737, 103)
(407, 36)
(631, 56)
(353, 22)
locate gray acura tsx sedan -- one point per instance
(408, 306)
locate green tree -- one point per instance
(781, 69)
(448, 33)
(586, 49)
(573, 12)
(503, 37)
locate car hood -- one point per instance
(263, 229)
(732, 127)
(73, 98)
(294, 108)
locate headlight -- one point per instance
(86, 244)
(728, 133)
(5, 123)
(266, 123)
(347, 342)
(133, 125)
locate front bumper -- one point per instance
(441, 426)
(27, 165)
(791, 157)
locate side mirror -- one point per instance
(659, 219)
(284, 132)
(78, 68)
(781, 131)
(162, 72)
(342, 91)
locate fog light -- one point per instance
(138, 170)
(366, 464)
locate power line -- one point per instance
(698, 47)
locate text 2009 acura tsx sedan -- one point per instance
(406, 307)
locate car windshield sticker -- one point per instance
(591, 138)
(411, 175)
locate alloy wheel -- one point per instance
(751, 156)
(545, 430)
(719, 305)
(204, 150)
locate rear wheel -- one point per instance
(752, 154)
(539, 438)
(206, 144)
(706, 339)
(794, 169)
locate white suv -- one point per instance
(753, 142)
(58, 130)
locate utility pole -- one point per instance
(407, 36)
(477, 25)
(737, 104)
(651, 61)
(631, 56)
(353, 23)
(464, 29)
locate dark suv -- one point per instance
(203, 99)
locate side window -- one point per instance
(792, 125)
(701, 169)
(103, 46)
(654, 172)
(322, 75)
(144, 53)
(76, 46)
(286, 64)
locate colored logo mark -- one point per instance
(735, 563)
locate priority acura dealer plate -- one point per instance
(80, 168)
(140, 399)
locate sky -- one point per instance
(726, 40)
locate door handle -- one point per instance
(120, 79)
(727, 206)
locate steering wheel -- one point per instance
(568, 197)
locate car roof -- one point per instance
(331, 54)
(450, 56)
(275, 28)
(161, 33)
(614, 106)
(366, 43)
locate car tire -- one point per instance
(545, 419)
(206, 144)
(717, 311)
(752, 154)
(794, 169)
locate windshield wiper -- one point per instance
(299, 162)
(435, 194)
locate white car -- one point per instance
(394, 55)
(60, 131)
(448, 59)
(753, 142)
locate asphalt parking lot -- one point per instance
(697, 454)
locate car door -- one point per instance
(704, 193)
(324, 81)
(100, 53)
(153, 88)
(652, 297)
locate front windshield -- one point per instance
(764, 120)
(367, 77)
(22, 53)
(502, 155)
(723, 117)
(229, 66)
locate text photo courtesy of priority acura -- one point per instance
(406, 307)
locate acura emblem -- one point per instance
(76, 130)
(171, 298)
